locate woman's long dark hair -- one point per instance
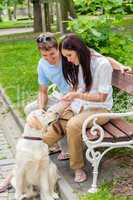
(70, 71)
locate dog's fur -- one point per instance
(33, 167)
(42, 119)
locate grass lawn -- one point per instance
(16, 24)
(104, 194)
(18, 70)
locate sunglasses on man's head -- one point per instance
(44, 39)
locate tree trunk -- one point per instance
(64, 13)
(9, 14)
(14, 10)
(29, 9)
(47, 16)
(37, 15)
(57, 16)
(51, 12)
(0, 15)
(43, 17)
(71, 10)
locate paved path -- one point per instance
(15, 30)
(6, 153)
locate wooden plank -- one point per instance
(123, 81)
(117, 130)
(122, 125)
(117, 133)
(107, 137)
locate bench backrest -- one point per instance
(123, 81)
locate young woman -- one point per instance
(90, 75)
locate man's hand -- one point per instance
(118, 66)
(125, 69)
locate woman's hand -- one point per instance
(70, 96)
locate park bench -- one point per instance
(114, 134)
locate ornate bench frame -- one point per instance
(121, 81)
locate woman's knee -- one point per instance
(73, 126)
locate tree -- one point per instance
(47, 16)
(37, 12)
(65, 12)
(29, 8)
(11, 6)
(1, 9)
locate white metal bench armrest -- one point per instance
(93, 118)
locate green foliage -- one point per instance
(98, 33)
(104, 193)
(12, 2)
(122, 101)
(95, 32)
(97, 7)
(120, 47)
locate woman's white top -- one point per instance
(101, 71)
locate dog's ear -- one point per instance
(33, 122)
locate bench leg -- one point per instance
(93, 188)
(94, 158)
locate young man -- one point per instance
(49, 70)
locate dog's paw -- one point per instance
(55, 195)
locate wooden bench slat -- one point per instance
(123, 81)
(124, 126)
(108, 136)
(118, 130)
(115, 131)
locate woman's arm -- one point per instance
(99, 97)
(118, 66)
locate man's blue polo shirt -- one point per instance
(52, 73)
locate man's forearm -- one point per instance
(42, 100)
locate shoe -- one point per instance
(80, 176)
(63, 156)
(5, 187)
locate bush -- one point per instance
(98, 7)
(97, 33)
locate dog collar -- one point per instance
(32, 138)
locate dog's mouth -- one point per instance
(53, 117)
(43, 119)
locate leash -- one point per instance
(32, 138)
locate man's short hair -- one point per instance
(46, 41)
